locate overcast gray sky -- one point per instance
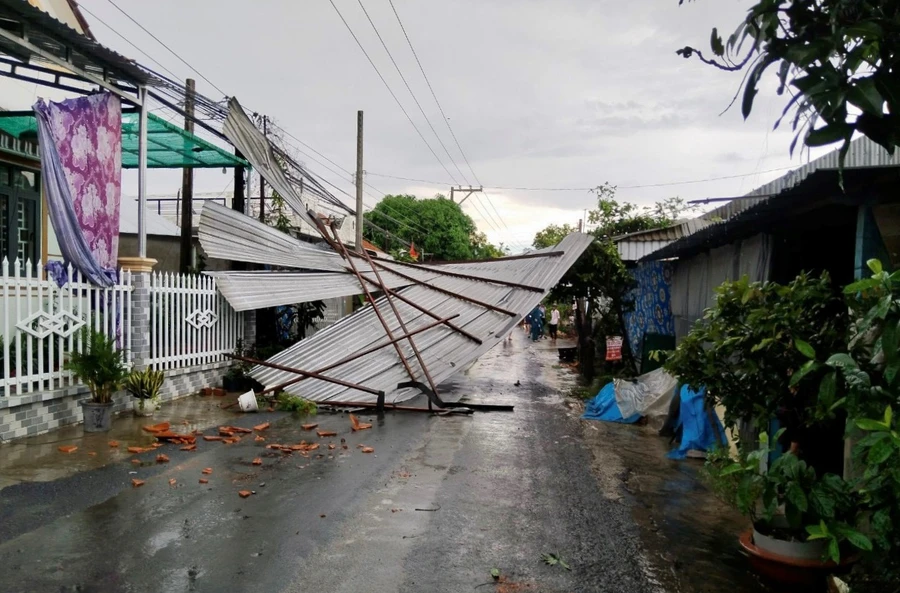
(540, 94)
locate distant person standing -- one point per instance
(543, 318)
(536, 324)
(554, 322)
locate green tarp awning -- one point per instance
(168, 146)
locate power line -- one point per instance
(126, 40)
(665, 184)
(215, 108)
(494, 208)
(411, 93)
(491, 216)
(433, 94)
(443, 114)
(169, 49)
(388, 87)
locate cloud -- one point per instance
(540, 93)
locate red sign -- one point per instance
(613, 347)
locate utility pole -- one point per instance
(359, 181)
(187, 187)
(262, 182)
(237, 201)
(468, 191)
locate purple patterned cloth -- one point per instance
(88, 135)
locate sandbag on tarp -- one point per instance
(701, 430)
(603, 406)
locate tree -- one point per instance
(599, 279)
(836, 59)
(436, 226)
(552, 235)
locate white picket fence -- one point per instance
(191, 322)
(42, 322)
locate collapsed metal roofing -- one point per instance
(430, 321)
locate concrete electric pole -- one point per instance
(187, 187)
(468, 191)
(359, 181)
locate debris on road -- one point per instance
(174, 438)
(326, 433)
(207, 471)
(262, 426)
(68, 448)
(368, 449)
(554, 559)
(189, 448)
(162, 427)
(309, 426)
(162, 458)
(259, 439)
(204, 481)
(211, 438)
(172, 481)
(257, 461)
(357, 425)
(244, 493)
(135, 483)
(136, 461)
(114, 444)
(137, 450)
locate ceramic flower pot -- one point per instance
(143, 407)
(796, 566)
(97, 417)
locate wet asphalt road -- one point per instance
(441, 502)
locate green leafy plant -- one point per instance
(296, 404)
(145, 385)
(865, 379)
(752, 348)
(99, 364)
(836, 60)
(788, 500)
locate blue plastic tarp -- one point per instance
(700, 431)
(603, 406)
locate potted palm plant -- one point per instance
(99, 364)
(144, 386)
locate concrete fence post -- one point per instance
(140, 269)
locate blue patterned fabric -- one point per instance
(652, 311)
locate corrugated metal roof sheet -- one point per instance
(863, 153)
(634, 246)
(256, 148)
(46, 32)
(444, 350)
(486, 305)
(227, 234)
(818, 188)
